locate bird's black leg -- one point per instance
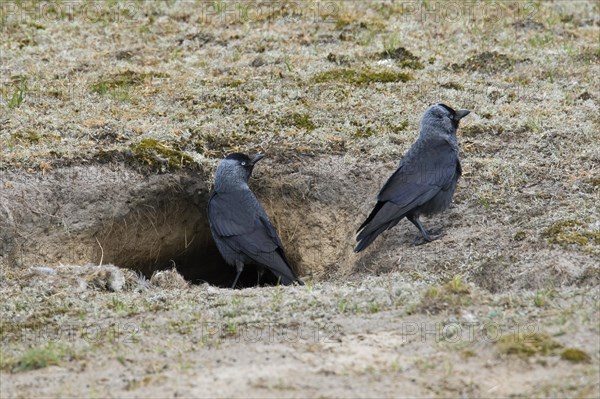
(260, 271)
(427, 236)
(236, 279)
(415, 220)
(240, 267)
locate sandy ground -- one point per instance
(384, 336)
(113, 116)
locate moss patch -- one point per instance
(26, 137)
(233, 83)
(589, 56)
(117, 85)
(160, 156)
(403, 58)
(399, 127)
(472, 130)
(301, 121)
(477, 130)
(520, 236)
(361, 77)
(216, 145)
(594, 181)
(489, 62)
(568, 232)
(338, 59)
(575, 355)
(363, 132)
(527, 345)
(452, 86)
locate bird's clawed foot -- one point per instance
(418, 241)
(429, 236)
(437, 233)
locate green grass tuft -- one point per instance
(452, 295)
(37, 358)
(18, 95)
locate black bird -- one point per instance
(239, 224)
(425, 180)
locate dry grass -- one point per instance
(333, 92)
(362, 320)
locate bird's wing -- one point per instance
(232, 213)
(416, 181)
(242, 223)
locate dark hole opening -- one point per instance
(175, 233)
(205, 264)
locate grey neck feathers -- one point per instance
(434, 125)
(230, 177)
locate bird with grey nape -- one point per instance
(239, 224)
(424, 182)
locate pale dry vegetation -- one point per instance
(112, 118)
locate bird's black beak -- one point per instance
(461, 113)
(258, 158)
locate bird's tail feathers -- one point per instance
(279, 266)
(380, 219)
(371, 216)
(365, 240)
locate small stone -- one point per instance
(258, 62)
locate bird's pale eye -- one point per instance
(243, 163)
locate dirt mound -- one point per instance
(149, 222)
(110, 214)
(402, 56)
(488, 62)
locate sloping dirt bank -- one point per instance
(147, 221)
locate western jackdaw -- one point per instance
(425, 180)
(239, 224)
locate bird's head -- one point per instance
(441, 119)
(234, 171)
